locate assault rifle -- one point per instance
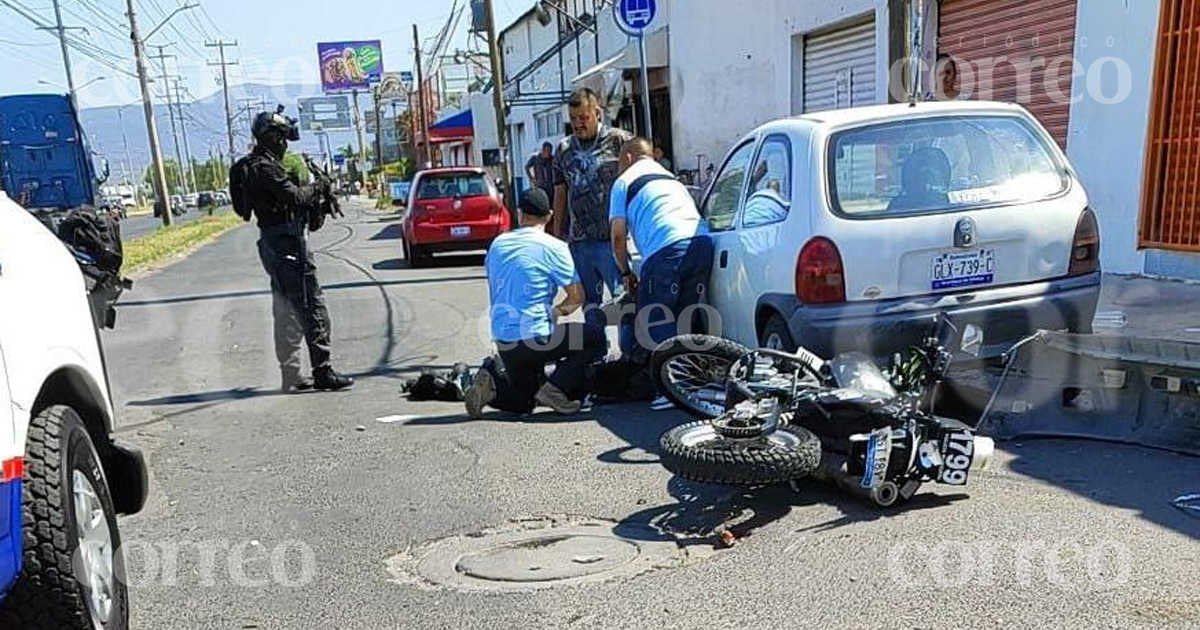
(329, 204)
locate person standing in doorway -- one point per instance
(586, 165)
(540, 169)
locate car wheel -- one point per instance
(418, 256)
(71, 579)
(776, 336)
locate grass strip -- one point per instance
(154, 248)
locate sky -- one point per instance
(277, 41)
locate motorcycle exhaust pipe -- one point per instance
(833, 471)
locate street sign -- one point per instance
(325, 113)
(406, 78)
(339, 159)
(635, 16)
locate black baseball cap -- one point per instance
(534, 203)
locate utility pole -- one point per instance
(425, 154)
(61, 31)
(160, 175)
(187, 150)
(221, 45)
(378, 136)
(162, 57)
(133, 180)
(358, 127)
(498, 104)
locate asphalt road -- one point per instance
(1058, 534)
(133, 227)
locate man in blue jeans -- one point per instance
(525, 270)
(585, 166)
(658, 210)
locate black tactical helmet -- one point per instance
(275, 122)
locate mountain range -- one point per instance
(109, 127)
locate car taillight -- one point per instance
(820, 277)
(1085, 248)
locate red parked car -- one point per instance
(451, 210)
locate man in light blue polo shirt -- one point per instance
(657, 209)
(525, 270)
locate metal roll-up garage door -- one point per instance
(839, 67)
(1037, 36)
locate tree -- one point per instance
(172, 170)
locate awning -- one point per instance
(454, 128)
(657, 56)
(607, 77)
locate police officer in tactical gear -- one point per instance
(282, 207)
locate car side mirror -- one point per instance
(104, 170)
(972, 340)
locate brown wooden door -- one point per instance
(1171, 203)
(1016, 51)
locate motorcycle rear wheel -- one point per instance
(696, 452)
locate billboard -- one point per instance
(392, 88)
(347, 66)
(325, 113)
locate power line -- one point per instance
(24, 44)
(207, 16)
(109, 21)
(82, 47)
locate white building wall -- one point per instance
(1107, 140)
(527, 38)
(736, 65)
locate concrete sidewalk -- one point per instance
(1149, 307)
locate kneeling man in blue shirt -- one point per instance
(525, 270)
(650, 204)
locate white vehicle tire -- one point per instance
(71, 578)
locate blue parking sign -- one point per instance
(634, 16)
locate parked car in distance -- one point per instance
(63, 478)
(206, 200)
(850, 229)
(451, 209)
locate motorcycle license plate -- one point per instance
(879, 455)
(460, 231)
(958, 452)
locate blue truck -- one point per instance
(46, 165)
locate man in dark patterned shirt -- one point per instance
(586, 165)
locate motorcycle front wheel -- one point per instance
(691, 371)
(697, 452)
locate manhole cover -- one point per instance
(539, 553)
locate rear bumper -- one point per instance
(1006, 315)
(438, 234)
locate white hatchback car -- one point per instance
(851, 229)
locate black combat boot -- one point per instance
(294, 382)
(326, 380)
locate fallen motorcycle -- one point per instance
(766, 416)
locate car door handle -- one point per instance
(724, 259)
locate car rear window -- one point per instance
(450, 186)
(940, 165)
